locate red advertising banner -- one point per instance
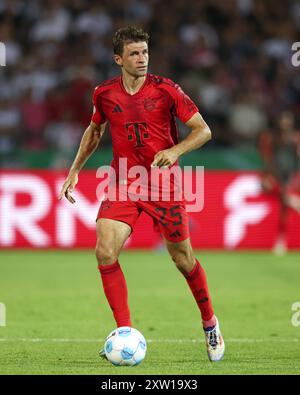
(236, 213)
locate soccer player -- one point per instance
(141, 109)
(280, 151)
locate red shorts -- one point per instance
(170, 218)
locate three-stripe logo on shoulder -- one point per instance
(117, 108)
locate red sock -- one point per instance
(198, 284)
(115, 289)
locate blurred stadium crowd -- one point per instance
(233, 57)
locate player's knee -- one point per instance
(105, 254)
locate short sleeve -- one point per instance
(184, 106)
(98, 116)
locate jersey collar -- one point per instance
(139, 91)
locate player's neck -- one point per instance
(132, 84)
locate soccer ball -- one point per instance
(125, 346)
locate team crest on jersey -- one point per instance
(149, 104)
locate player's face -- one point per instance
(134, 59)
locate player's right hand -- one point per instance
(68, 187)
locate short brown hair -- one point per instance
(127, 35)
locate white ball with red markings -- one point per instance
(125, 346)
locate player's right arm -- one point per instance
(89, 142)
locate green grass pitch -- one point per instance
(57, 315)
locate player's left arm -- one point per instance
(199, 135)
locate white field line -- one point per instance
(62, 340)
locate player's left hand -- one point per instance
(165, 158)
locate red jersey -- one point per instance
(144, 123)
